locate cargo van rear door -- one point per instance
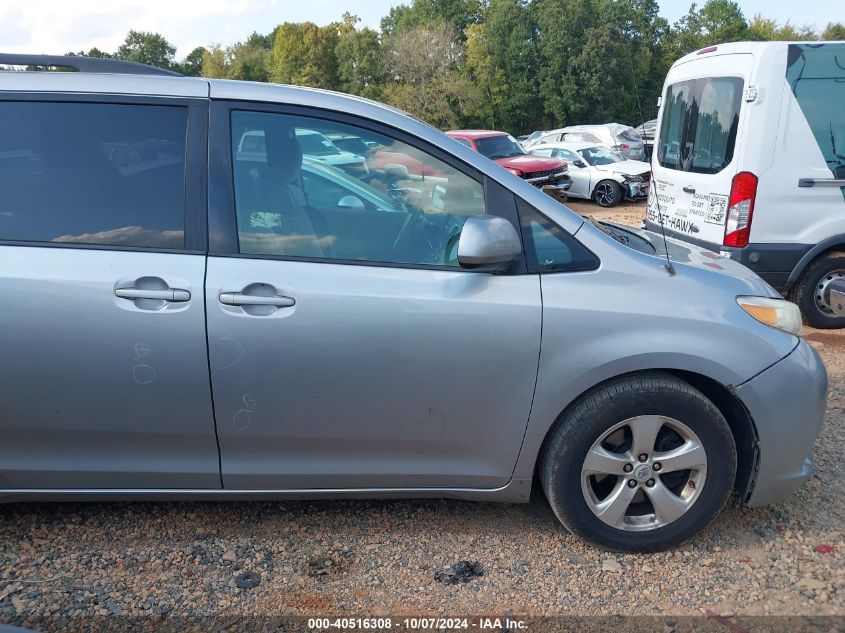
(695, 153)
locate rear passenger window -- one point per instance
(698, 130)
(91, 173)
(548, 248)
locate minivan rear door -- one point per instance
(104, 382)
(695, 157)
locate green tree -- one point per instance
(215, 63)
(192, 64)
(360, 59)
(457, 13)
(717, 21)
(765, 29)
(638, 25)
(834, 31)
(93, 52)
(424, 63)
(565, 28)
(304, 55)
(501, 58)
(147, 48)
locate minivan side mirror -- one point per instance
(488, 241)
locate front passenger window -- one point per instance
(299, 195)
(548, 248)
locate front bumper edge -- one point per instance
(787, 403)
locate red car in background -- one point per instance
(549, 174)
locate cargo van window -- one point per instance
(698, 132)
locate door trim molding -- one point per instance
(517, 490)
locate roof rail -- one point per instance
(85, 64)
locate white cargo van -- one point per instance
(749, 161)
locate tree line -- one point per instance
(514, 65)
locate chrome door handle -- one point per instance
(241, 299)
(821, 182)
(175, 295)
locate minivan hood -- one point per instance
(626, 167)
(683, 253)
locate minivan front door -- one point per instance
(104, 380)
(348, 349)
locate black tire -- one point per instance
(607, 193)
(593, 415)
(805, 292)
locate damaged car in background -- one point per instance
(549, 174)
(599, 174)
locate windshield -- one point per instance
(316, 144)
(599, 156)
(503, 146)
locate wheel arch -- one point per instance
(739, 420)
(835, 243)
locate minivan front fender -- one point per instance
(629, 331)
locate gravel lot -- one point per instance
(380, 557)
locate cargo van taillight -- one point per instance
(740, 209)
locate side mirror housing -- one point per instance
(488, 241)
(579, 163)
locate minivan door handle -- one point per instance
(175, 295)
(241, 299)
(689, 189)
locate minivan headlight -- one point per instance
(779, 313)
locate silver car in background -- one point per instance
(600, 174)
(622, 139)
(193, 313)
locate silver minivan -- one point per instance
(188, 316)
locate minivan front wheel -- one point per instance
(640, 464)
(812, 292)
(607, 193)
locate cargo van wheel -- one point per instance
(607, 193)
(812, 292)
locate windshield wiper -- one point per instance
(601, 226)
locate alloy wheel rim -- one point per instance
(605, 194)
(644, 473)
(822, 291)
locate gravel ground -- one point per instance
(380, 557)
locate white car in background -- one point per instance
(622, 139)
(599, 174)
(318, 147)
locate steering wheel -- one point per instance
(411, 221)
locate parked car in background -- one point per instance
(527, 138)
(351, 143)
(647, 131)
(599, 174)
(549, 174)
(320, 148)
(622, 139)
(750, 162)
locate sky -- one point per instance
(60, 26)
